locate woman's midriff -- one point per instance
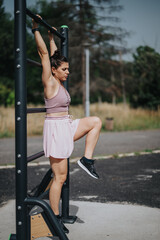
(57, 114)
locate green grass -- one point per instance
(6, 134)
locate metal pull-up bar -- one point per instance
(45, 24)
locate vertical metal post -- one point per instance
(65, 189)
(20, 119)
(87, 105)
(64, 47)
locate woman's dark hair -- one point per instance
(57, 59)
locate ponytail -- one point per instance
(57, 59)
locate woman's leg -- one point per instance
(59, 169)
(90, 126)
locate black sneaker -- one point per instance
(88, 167)
(63, 227)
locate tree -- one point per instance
(146, 73)
(84, 18)
(6, 57)
(90, 18)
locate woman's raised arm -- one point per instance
(43, 53)
(53, 46)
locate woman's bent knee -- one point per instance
(97, 122)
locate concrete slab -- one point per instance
(7, 220)
(115, 222)
(110, 221)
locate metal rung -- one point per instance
(34, 63)
(35, 156)
(36, 110)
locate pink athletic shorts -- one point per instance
(58, 134)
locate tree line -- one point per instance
(91, 22)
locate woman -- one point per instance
(60, 131)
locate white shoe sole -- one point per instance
(85, 169)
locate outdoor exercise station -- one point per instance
(30, 224)
(34, 216)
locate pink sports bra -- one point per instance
(58, 103)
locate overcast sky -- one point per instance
(141, 17)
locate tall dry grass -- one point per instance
(7, 122)
(125, 118)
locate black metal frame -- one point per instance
(23, 202)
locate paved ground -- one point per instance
(102, 221)
(123, 205)
(130, 179)
(109, 143)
